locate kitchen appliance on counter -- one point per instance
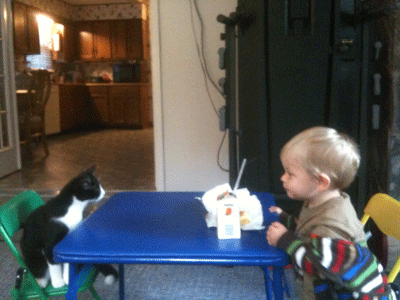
(126, 72)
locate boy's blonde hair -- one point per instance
(324, 150)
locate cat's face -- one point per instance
(86, 187)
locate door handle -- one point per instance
(346, 49)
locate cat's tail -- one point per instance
(109, 272)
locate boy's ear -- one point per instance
(324, 181)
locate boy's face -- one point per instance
(297, 182)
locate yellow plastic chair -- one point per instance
(12, 214)
(385, 211)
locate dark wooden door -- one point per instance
(303, 66)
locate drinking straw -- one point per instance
(240, 175)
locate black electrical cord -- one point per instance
(219, 152)
(202, 48)
(200, 53)
(207, 77)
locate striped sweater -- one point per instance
(340, 268)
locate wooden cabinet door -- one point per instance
(69, 45)
(26, 30)
(133, 106)
(74, 105)
(85, 30)
(125, 105)
(99, 95)
(33, 32)
(102, 40)
(135, 39)
(118, 39)
(20, 31)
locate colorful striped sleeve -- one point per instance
(288, 220)
(347, 265)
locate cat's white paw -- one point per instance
(57, 283)
(42, 282)
(110, 279)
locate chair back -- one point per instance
(12, 214)
(39, 88)
(385, 212)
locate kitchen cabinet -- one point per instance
(101, 40)
(94, 40)
(121, 104)
(68, 42)
(125, 105)
(99, 95)
(85, 30)
(115, 105)
(125, 43)
(69, 48)
(26, 30)
(135, 39)
(75, 106)
(119, 39)
(52, 112)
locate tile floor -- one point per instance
(124, 160)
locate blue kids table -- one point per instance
(166, 228)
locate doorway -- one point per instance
(124, 158)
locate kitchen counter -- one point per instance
(106, 104)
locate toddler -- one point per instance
(319, 163)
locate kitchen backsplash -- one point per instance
(89, 12)
(98, 69)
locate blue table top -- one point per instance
(163, 227)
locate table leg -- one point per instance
(277, 283)
(73, 285)
(121, 282)
(268, 283)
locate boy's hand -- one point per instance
(274, 233)
(275, 209)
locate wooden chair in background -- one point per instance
(31, 110)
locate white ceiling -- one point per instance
(95, 2)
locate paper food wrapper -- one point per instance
(249, 205)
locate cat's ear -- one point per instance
(91, 169)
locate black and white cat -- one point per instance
(50, 223)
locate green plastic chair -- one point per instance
(12, 214)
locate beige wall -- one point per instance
(187, 133)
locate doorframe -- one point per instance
(9, 84)
(158, 121)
